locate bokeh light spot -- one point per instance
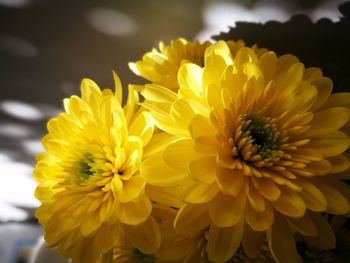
(111, 22)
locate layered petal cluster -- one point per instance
(260, 150)
(160, 67)
(89, 181)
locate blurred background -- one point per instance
(48, 46)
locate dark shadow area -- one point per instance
(324, 44)
(47, 47)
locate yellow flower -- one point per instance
(89, 181)
(259, 147)
(160, 67)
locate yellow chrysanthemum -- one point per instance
(259, 145)
(89, 181)
(160, 67)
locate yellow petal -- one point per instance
(224, 242)
(166, 123)
(206, 145)
(226, 210)
(324, 88)
(135, 212)
(90, 224)
(267, 63)
(340, 163)
(230, 181)
(339, 99)
(89, 90)
(196, 192)
(217, 58)
(327, 121)
(190, 77)
(143, 127)
(191, 219)
(256, 200)
(268, 189)
(132, 188)
(157, 93)
(145, 236)
(164, 195)
(290, 203)
(118, 87)
(336, 202)
(179, 154)
(281, 242)
(203, 169)
(252, 241)
(131, 105)
(245, 56)
(156, 172)
(213, 96)
(304, 225)
(201, 126)
(259, 221)
(312, 196)
(319, 167)
(331, 144)
(312, 73)
(341, 187)
(158, 143)
(325, 238)
(181, 113)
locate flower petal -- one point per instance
(203, 169)
(132, 188)
(145, 236)
(304, 225)
(143, 127)
(196, 192)
(324, 88)
(135, 212)
(281, 242)
(327, 121)
(337, 204)
(226, 210)
(179, 154)
(191, 219)
(190, 77)
(90, 224)
(163, 195)
(268, 189)
(325, 238)
(156, 172)
(201, 126)
(252, 241)
(331, 144)
(224, 242)
(312, 196)
(290, 203)
(230, 181)
(259, 221)
(340, 163)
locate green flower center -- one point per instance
(86, 167)
(264, 135)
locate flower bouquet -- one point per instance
(230, 153)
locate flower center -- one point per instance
(86, 167)
(257, 140)
(263, 132)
